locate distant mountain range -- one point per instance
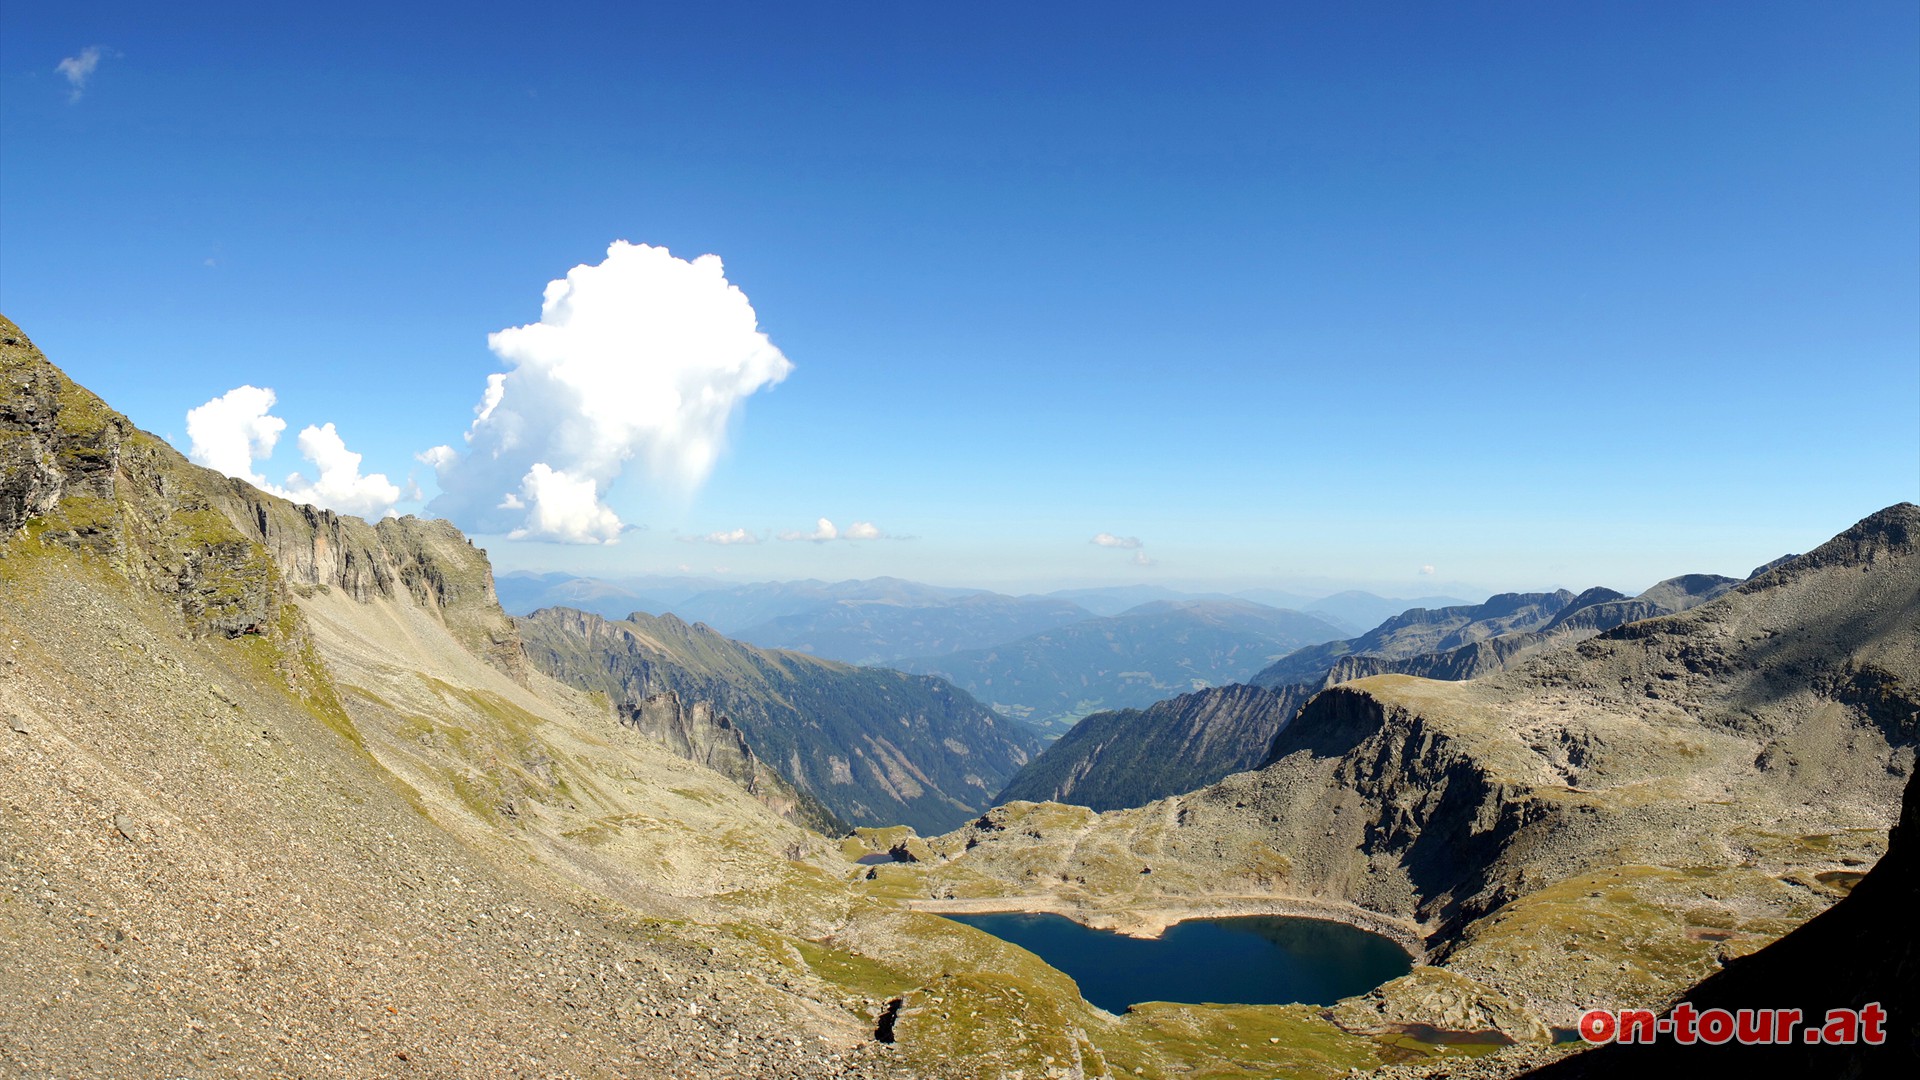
(1131, 757)
(725, 607)
(891, 622)
(733, 608)
(873, 746)
(887, 631)
(1147, 653)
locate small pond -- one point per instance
(1244, 960)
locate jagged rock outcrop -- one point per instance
(875, 746)
(429, 560)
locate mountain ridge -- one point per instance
(1135, 756)
(873, 746)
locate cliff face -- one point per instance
(430, 561)
(78, 475)
(698, 733)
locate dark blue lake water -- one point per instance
(1245, 960)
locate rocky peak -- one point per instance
(1887, 534)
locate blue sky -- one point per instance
(1530, 295)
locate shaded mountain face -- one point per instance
(1131, 757)
(874, 746)
(1153, 651)
(698, 733)
(1604, 824)
(884, 631)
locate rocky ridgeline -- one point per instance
(1131, 757)
(82, 476)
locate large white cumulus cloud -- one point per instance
(640, 358)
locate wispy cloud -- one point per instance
(1427, 570)
(229, 433)
(1108, 540)
(1140, 558)
(824, 530)
(79, 69)
(640, 358)
(736, 536)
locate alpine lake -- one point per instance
(1241, 960)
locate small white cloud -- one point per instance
(1427, 570)
(230, 432)
(736, 536)
(339, 486)
(78, 69)
(822, 532)
(563, 507)
(1108, 540)
(1140, 559)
